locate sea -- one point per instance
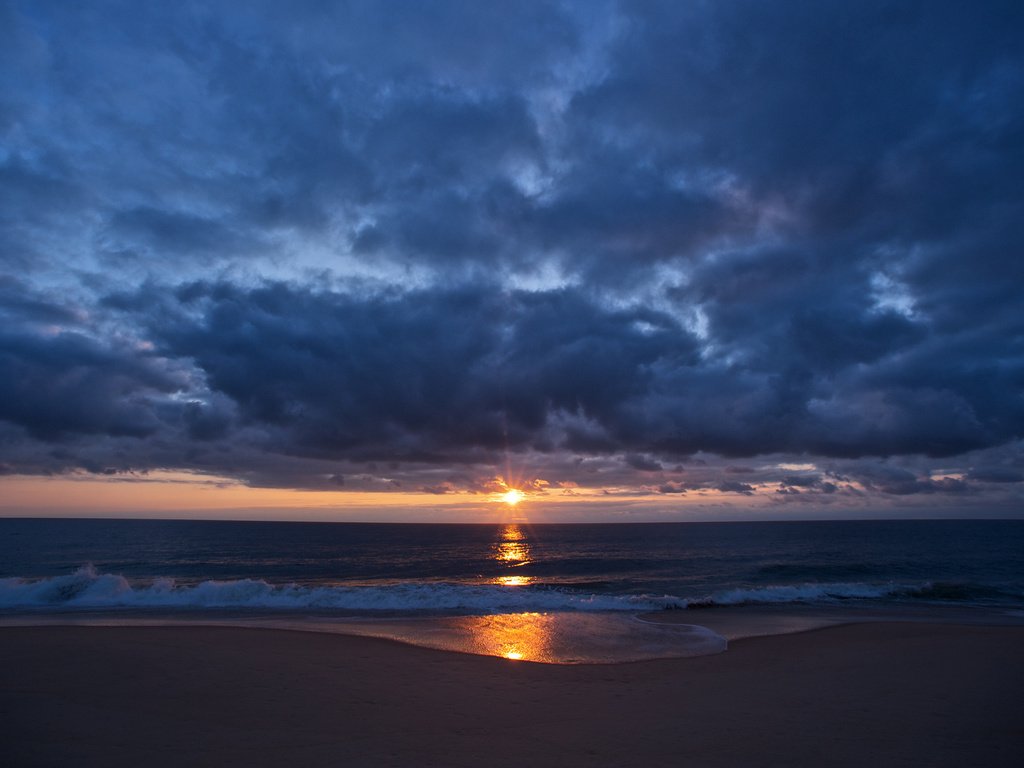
(542, 592)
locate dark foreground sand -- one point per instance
(869, 695)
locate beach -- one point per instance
(878, 694)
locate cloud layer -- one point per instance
(631, 245)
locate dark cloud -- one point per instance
(643, 463)
(672, 487)
(20, 304)
(427, 374)
(281, 244)
(899, 481)
(61, 378)
(171, 233)
(996, 475)
(801, 481)
(70, 384)
(731, 486)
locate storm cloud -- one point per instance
(373, 245)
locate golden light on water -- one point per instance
(559, 637)
(520, 636)
(514, 581)
(516, 636)
(512, 549)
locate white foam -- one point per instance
(800, 593)
(86, 588)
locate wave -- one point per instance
(816, 592)
(88, 589)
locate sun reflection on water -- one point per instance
(557, 637)
(513, 551)
(512, 548)
(513, 581)
(516, 636)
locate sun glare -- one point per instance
(512, 496)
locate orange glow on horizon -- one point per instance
(193, 495)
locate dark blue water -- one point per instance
(364, 568)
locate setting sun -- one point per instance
(512, 496)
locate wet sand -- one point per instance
(886, 694)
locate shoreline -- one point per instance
(730, 622)
(886, 693)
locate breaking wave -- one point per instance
(88, 589)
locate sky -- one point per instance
(389, 260)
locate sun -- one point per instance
(512, 496)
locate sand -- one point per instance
(860, 695)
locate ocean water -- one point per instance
(476, 586)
